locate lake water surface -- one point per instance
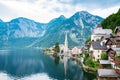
(31, 64)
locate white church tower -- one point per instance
(66, 44)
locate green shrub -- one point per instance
(91, 63)
(104, 56)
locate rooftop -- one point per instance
(104, 62)
(117, 28)
(99, 46)
(117, 49)
(99, 30)
(107, 73)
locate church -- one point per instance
(64, 47)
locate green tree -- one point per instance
(86, 54)
(57, 60)
(104, 56)
(62, 51)
(91, 63)
(111, 21)
(57, 48)
(88, 40)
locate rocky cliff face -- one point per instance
(79, 28)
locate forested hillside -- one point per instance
(111, 21)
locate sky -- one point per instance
(45, 10)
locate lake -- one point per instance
(31, 64)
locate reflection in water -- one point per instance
(57, 59)
(65, 65)
(28, 64)
(42, 76)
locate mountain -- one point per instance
(23, 27)
(111, 21)
(23, 32)
(79, 28)
(11, 32)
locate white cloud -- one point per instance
(45, 10)
(105, 12)
(35, 11)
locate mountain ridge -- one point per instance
(76, 26)
(47, 34)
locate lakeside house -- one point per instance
(117, 31)
(63, 47)
(64, 50)
(96, 49)
(111, 54)
(104, 64)
(110, 69)
(107, 74)
(99, 33)
(103, 41)
(113, 42)
(75, 51)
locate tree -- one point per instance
(86, 56)
(57, 48)
(104, 56)
(62, 51)
(91, 63)
(111, 21)
(88, 40)
(57, 60)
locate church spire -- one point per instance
(66, 43)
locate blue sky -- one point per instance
(45, 10)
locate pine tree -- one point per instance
(57, 48)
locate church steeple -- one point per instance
(66, 43)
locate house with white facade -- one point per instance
(75, 51)
(99, 33)
(96, 49)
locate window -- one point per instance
(98, 51)
(98, 56)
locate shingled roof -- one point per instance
(98, 45)
(117, 28)
(107, 73)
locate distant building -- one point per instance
(96, 49)
(104, 64)
(64, 47)
(107, 74)
(66, 44)
(99, 33)
(84, 49)
(117, 31)
(75, 51)
(111, 54)
(113, 42)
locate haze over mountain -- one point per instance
(34, 34)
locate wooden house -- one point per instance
(107, 74)
(96, 49)
(111, 54)
(113, 42)
(104, 64)
(117, 31)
